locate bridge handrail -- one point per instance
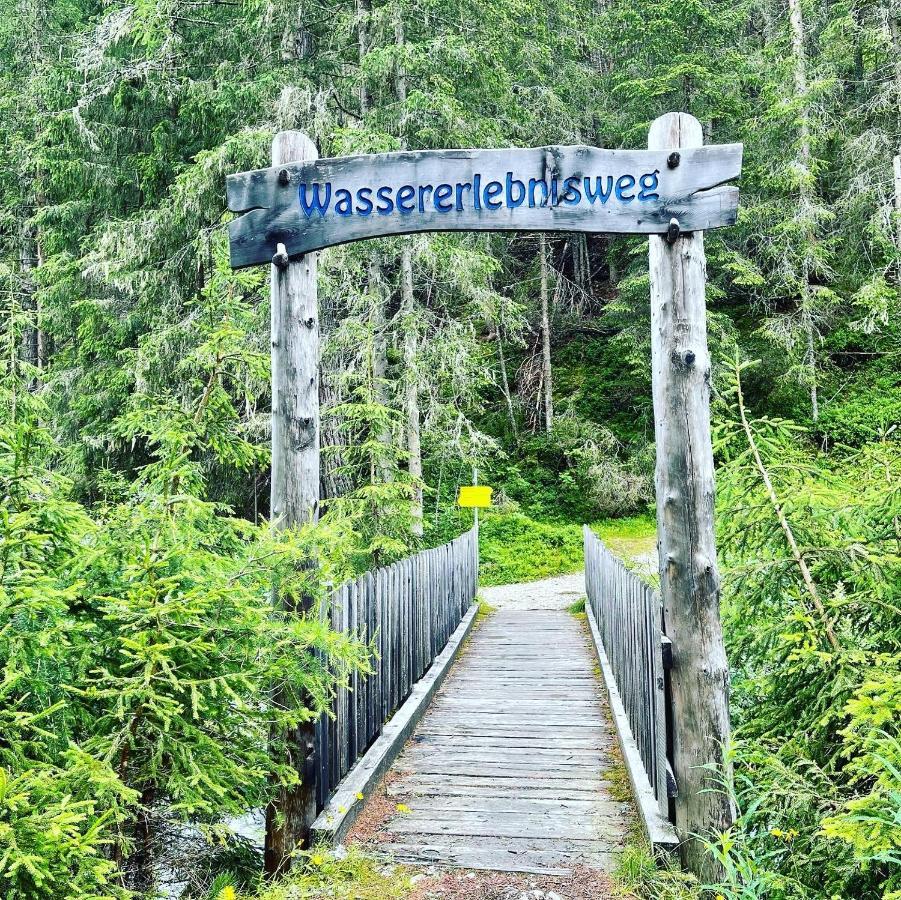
(629, 619)
(409, 610)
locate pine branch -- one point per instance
(809, 583)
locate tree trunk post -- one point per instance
(689, 579)
(295, 480)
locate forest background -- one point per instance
(136, 636)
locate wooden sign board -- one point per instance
(312, 205)
(474, 496)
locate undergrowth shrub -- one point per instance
(811, 551)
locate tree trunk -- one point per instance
(334, 480)
(414, 446)
(546, 373)
(141, 877)
(295, 487)
(364, 12)
(582, 269)
(689, 580)
(612, 269)
(379, 471)
(505, 385)
(806, 198)
(897, 166)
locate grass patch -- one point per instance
(320, 873)
(485, 609)
(631, 538)
(638, 874)
(577, 608)
(515, 548)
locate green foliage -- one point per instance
(641, 875)
(513, 548)
(351, 875)
(136, 640)
(814, 659)
(139, 646)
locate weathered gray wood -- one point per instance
(487, 785)
(495, 825)
(343, 808)
(381, 607)
(645, 193)
(689, 579)
(479, 857)
(625, 614)
(506, 761)
(537, 739)
(657, 827)
(506, 854)
(295, 479)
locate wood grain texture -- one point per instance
(628, 618)
(693, 192)
(388, 607)
(294, 490)
(689, 579)
(500, 774)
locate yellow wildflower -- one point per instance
(402, 808)
(227, 893)
(317, 859)
(359, 795)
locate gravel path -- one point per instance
(558, 592)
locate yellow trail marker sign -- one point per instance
(474, 495)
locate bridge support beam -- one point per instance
(689, 579)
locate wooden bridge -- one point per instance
(497, 736)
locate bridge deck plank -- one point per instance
(509, 768)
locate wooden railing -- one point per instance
(408, 610)
(629, 618)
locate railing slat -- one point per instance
(408, 610)
(627, 613)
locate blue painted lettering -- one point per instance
(461, 186)
(571, 193)
(492, 190)
(405, 196)
(511, 182)
(442, 194)
(533, 184)
(317, 203)
(648, 184)
(344, 202)
(623, 183)
(364, 201)
(320, 198)
(386, 206)
(601, 191)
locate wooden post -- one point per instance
(689, 580)
(295, 480)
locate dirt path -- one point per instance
(549, 593)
